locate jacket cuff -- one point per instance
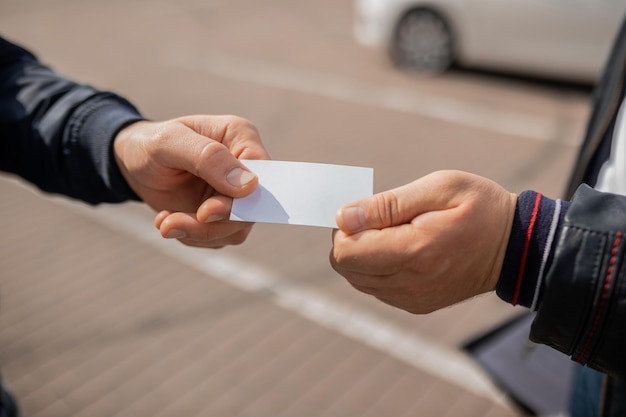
(91, 132)
(583, 309)
(528, 256)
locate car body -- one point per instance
(566, 39)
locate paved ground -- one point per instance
(101, 317)
(97, 323)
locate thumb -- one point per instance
(222, 170)
(393, 207)
(376, 212)
(210, 160)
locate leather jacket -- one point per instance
(583, 308)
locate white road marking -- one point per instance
(385, 97)
(441, 361)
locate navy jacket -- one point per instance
(58, 134)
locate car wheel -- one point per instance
(423, 41)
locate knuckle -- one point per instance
(163, 132)
(238, 121)
(160, 140)
(388, 206)
(209, 152)
(339, 256)
(239, 127)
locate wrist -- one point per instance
(123, 149)
(511, 205)
(91, 134)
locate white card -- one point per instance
(301, 193)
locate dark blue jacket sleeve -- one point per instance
(57, 133)
(583, 308)
(577, 280)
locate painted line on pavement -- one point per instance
(448, 364)
(349, 90)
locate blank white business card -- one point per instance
(301, 193)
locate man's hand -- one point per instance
(426, 245)
(188, 170)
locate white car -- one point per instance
(565, 39)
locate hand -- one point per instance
(426, 245)
(188, 170)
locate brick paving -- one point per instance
(96, 324)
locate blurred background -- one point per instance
(99, 316)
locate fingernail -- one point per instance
(175, 234)
(238, 177)
(353, 219)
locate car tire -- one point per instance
(423, 42)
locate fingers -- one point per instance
(210, 160)
(213, 209)
(239, 135)
(209, 227)
(216, 208)
(374, 252)
(217, 161)
(186, 228)
(210, 147)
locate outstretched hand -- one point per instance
(426, 245)
(188, 170)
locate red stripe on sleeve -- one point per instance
(529, 233)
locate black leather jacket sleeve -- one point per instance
(583, 309)
(57, 133)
